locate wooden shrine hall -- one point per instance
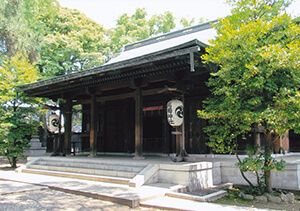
(124, 101)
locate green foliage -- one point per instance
(21, 126)
(189, 22)
(257, 80)
(20, 29)
(17, 112)
(255, 163)
(131, 28)
(244, 11)
(71, 42)
(257, 51)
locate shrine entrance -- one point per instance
(153, 129)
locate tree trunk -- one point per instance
(268, 160)
(242, 173)
(14, 162)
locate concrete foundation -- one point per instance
(199, 172)
(194, 175)
(226, 171)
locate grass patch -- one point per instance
(233, 199)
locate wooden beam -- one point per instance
(59, 84)
(68, 127)
(93, 133)
(192, 62)
(121, 96)
(138, 123)
(115, 97)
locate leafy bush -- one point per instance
(255, 162)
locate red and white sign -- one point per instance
(153, 108)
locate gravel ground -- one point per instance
(55, 200)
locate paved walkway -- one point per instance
(114, 192)
(38, 184)
(16, 196)
(182, 204)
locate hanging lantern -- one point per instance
(175, 112)
(53, 123)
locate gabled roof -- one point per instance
(202, 33)
(165, 46)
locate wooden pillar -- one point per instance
(178, 135)
(166, 138)
(285, 144)
(281, 145)
(138, 123)
(59, 139)
(68, 127)
(182, 148)
(93, 134)
(258, 130)
(100, 140)
(257, 140)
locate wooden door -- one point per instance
(119, 127)
(153, 131)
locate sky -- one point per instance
(106, 12)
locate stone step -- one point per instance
(81, 170)
(169, 203)
(100, 166)
(204, 198)
(89, 161)
(126, 199)
(205, 195)
(179, 188)
(161, 189)
(170, 186)
(97, 178)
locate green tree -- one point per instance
(131, 28)
(257, 83)
(71, 42)
(20, 28)
(189, 22)
(17, 119)
(20, 37)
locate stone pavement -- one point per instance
(182, 204)
(31, 188)
(121, 194)
(8, 187)
(46, 199)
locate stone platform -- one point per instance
(128, 171)
(199, 172)
(288, 179)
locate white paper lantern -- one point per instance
(53, 123)
(175, 112)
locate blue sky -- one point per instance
(106, 12)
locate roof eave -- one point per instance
(113, 66)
